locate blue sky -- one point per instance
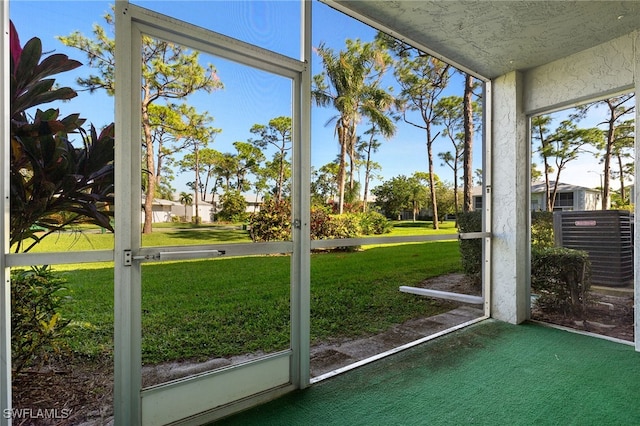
(250, 97)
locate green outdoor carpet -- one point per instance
(491, 373)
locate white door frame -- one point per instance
(252, 382)
(5, 294)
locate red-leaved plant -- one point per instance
(53, 184)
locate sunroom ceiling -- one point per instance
(491, 38)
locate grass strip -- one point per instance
(175, 234)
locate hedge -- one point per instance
(561, 278)
(273, 223)
(471, 250)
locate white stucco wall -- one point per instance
(510, 202)
(596, 73)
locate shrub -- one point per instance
(374, 223)
(561, 277)
(234, 207)
(471, 250)
(542, 236)
(346, 225)
(320, 227)
(542, 230)
(35, 319)
(272, 222)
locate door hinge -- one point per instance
(297, 223)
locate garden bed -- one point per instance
(610, 316)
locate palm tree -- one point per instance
(350, 83)
(186, 199)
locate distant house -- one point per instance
(205, 211)
(254, 202)
(162, 210)
(165, 210)
(568, 197)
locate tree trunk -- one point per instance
(342, 177)
(547, 190)
(455, 192)
(432, 181)
(432, 185)
(554, 192)
(606, 192)
(352, 163)
(151, 180)
(280, 179)
(159, 163)
(197, 180)
(467, 161)
(547, 186)
(366, 190)
(367, 174)
(623, 194)
(342, 138)
(205, 186)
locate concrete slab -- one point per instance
(331, 356)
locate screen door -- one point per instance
(207, 313)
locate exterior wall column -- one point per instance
(510, 264)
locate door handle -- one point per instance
(172, 255)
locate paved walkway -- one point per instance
(329, 357)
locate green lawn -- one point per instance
(406, 227)
(171, 234)
(178, 234)
(232, 306)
